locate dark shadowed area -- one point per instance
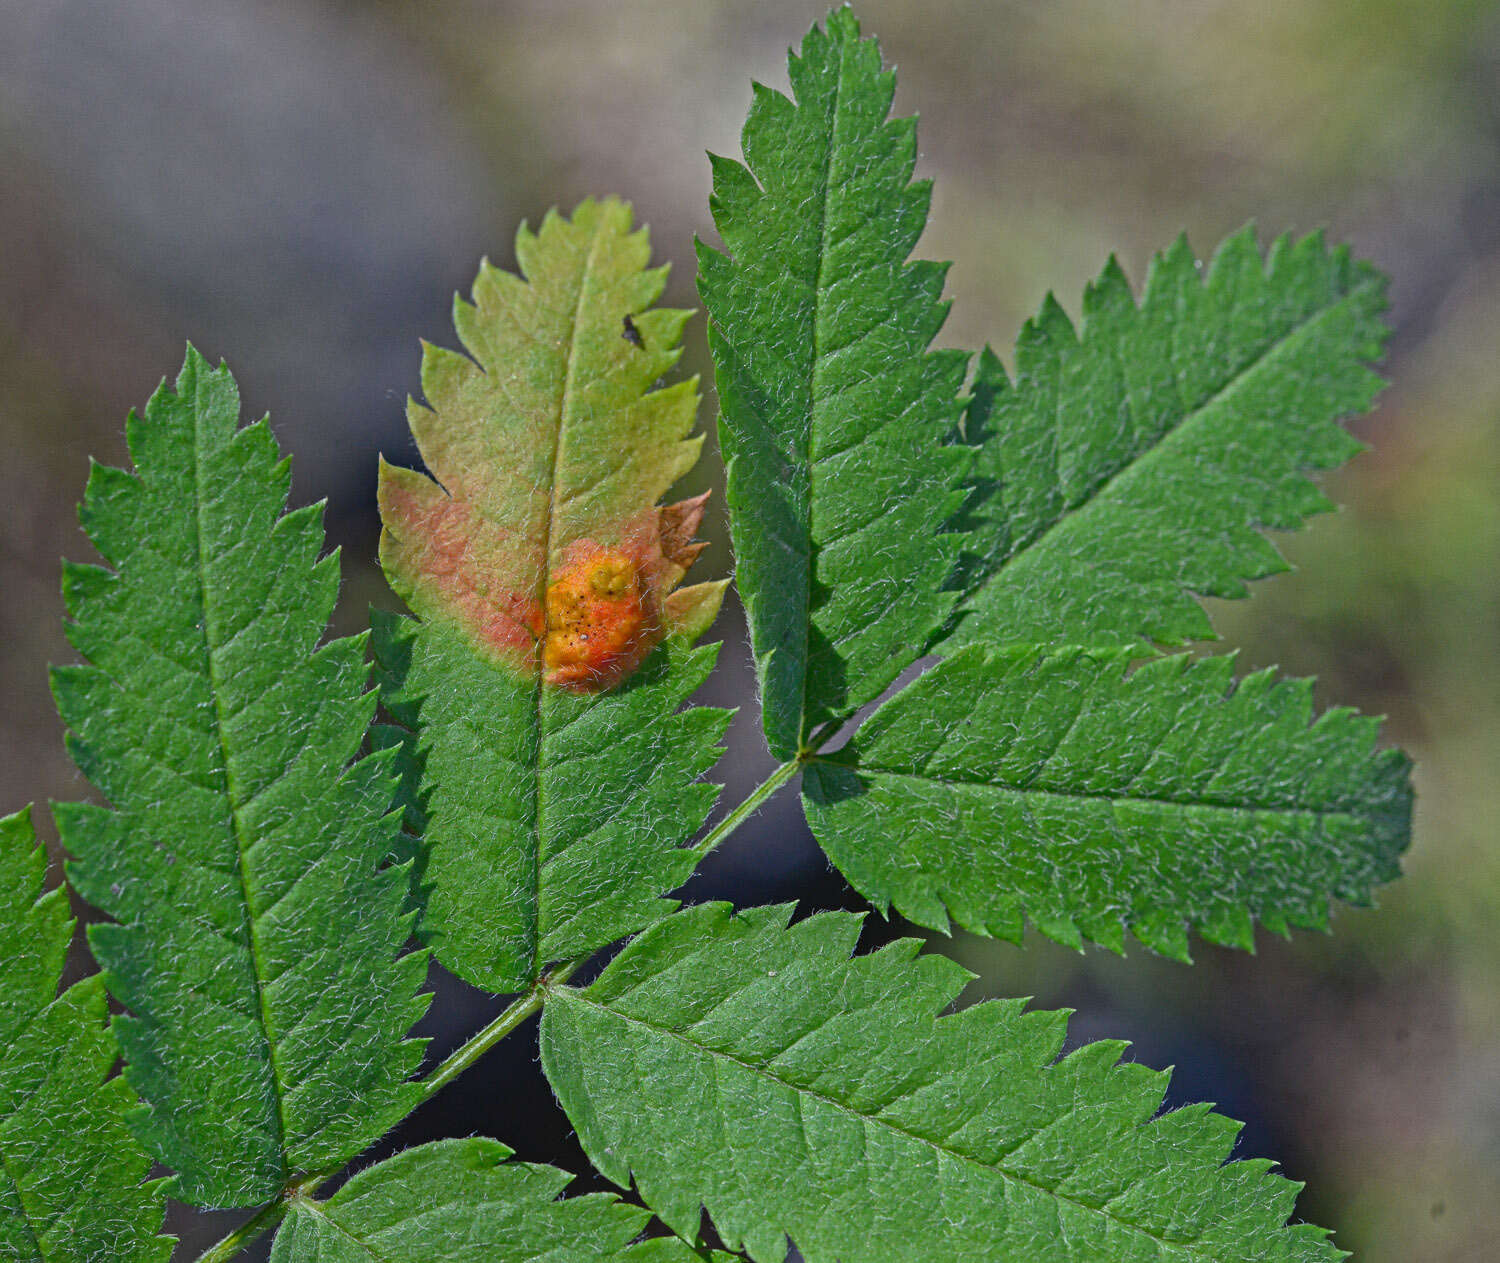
(299, 186)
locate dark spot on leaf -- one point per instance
(631, 334)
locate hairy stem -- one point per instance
(268, 1217)
(514, 1015)
(748, 808)
(517, 1012)
(531, 1002)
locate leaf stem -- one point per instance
(517, 1012)
(514, 1015)
(268, 1217)
(531, 1001)
(748, 808)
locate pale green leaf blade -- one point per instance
(72, 1177)
(730, 1063)
(258, 935)
(462, 1201)
(545, 758)
(1136, 461)
(554, 820)
(835, 418)
(1057, 786)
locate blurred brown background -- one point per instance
(299, 185)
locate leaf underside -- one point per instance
(71, 1174)
(1134, 462)
(1053, 785)
(257, 933)
(730, 1063)
(461, 1201)
(554, 820)
(835, 418)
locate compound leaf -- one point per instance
(461, 1201)
(1054, 785)
(1134, 462)
(258, 933)
(545, 759)
(71, 1174)
(835, 418)
(730, 1063)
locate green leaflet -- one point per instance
(554, 819)
(257, 938)
(835, 419)
(542, 541)
(1054, 785)
(732, 1063)
(71, 1175)
(461, 1201)
(554, 787)
(1133, 463)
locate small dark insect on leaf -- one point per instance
(630, 333)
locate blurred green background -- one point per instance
(299, 186)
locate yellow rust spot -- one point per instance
(599, 623)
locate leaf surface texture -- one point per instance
(553, 820)
(554, 786)
(539, 536)
(257, 937)
(72, 1176)
(461, 1201)
(1135, 462)
(731, 1063)
(1055, 785)
(835, 418)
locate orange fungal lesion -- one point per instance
(600, 620)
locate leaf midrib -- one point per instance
(231, 791)
(544, 570)
(804, 464)
(1187, 1249)
(1152, 800)
(1185, 422)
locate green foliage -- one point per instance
(71, 1174)
(1052, 784)
(1132, 462)
(553, 812)
(835, 419)
(461, 1201)
(556, 819)
(257, 939)
(534, 792)
(729, 1062)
